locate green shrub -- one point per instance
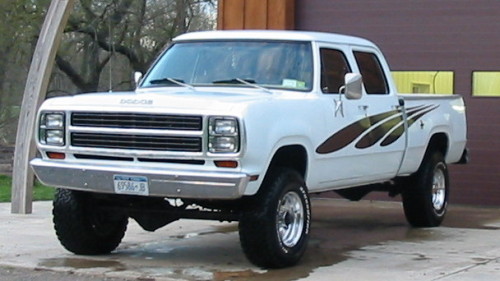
(40, 191)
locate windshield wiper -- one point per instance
(168, 80)
(248, 82)
(233, 81)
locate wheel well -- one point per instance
(292, 156)
(438, 142)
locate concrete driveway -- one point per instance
(349, 241)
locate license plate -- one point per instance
(133, 185)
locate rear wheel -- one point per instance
(275, 230)
(84, 229)
(425, 199)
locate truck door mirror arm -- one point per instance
(401, 102)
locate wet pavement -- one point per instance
(364, 240)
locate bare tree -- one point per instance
(117, 30)
(104, 42)
(19, 31)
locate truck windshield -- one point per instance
(275, 64)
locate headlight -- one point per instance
(54, 137)
(223, 144)
(224, 126)
(54, 121)
(52, 127)
(224, 135)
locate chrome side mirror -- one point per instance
(137, 78)
(353, 86)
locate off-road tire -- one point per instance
(84, 229)
(275, 229)
(425, 197)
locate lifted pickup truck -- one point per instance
(244, 126)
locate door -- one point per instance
(367, 140)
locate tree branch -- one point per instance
(72, 74)
(103, 39)
(86, 6)
(103, 63)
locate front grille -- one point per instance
(136, 121)
(140, 142)
(140, 159)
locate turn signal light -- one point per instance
(56, 155)
(226, 164)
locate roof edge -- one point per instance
(293, 35)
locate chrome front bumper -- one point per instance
(161, 182)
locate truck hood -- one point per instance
(174, 101)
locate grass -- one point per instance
(40, 191)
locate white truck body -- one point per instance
(335, 141)
(283, 117)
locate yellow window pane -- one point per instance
(486, 83)
(424, 82)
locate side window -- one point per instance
(334, 66)
(373, 75)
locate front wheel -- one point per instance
(275, 229)
(84, 229)
(425, 199)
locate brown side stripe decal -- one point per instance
(399, 131)
(378, 132)
(394, 136)
(348, 134)
(375, 131)
(412, 118)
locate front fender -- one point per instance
(273, 125)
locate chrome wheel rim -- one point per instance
(439, 189)
(290, 219)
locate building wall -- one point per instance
(252, 14)
(462, 36)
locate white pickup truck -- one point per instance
(244, 126)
